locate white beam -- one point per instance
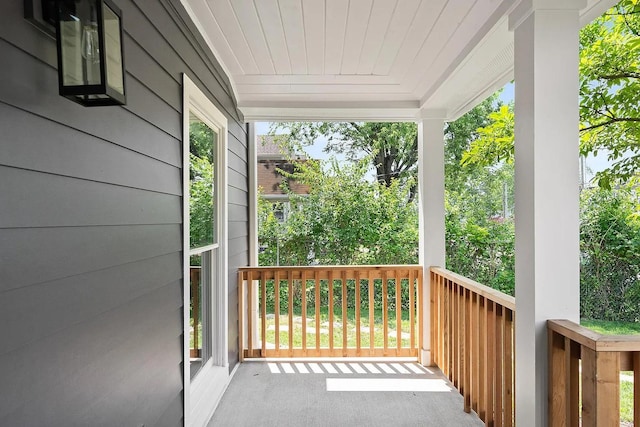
(432, 230)
(546, 208)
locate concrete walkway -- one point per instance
(340, 393)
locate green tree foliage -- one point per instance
(392, 148)
(201, 179)
(609, 99)
(610, 89)
(479, 198)
(610, 248)
(345, 219)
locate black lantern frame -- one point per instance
(81, 79)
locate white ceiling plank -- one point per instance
(491, 62)
(303, 100)
(310, 79)
(452, 50)
(420, 30)
(379, 21)
(269, 14)
(357, 24)
(400, 22)
(335, 26)
(313, 12)
(210, 30)
(227, 22)
(318, 89)
(247, 16)
(293, 23)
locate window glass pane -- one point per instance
(202, 147)
(198, 325)
(112, 44)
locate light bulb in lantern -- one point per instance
(90, 46)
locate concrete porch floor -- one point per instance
(340, 393)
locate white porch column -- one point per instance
(431, 196)
(546, 207)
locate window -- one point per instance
(205, 271)
(203, 243)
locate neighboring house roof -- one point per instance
(268, 147)
(271, 161)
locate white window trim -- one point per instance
(202, 394)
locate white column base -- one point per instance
(425, 357)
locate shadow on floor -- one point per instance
(337, 393)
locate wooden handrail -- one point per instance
(472, 342)
(598, 381)
(329, 297)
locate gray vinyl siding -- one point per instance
(91, 226)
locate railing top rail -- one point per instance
(333, 267)
(592, 339)
(492, 294)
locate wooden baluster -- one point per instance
(344, 313)
(454, 335)
(475, 346)
(491, 321)
(276, 302)
(452, 332)
(508, 368)
(636, 388)
(499, 366)
(572, 361)
(398, 311)
(444, 315)
(249, 313)
(445, 330)
(263, 309)
(467, 352)
(357, 306)
(433, 337)
(331, 320)
(482, 336)
(303, 310)
(316, 278)
(371, 314)
(557, 379)
(290, 309)
(385, 313)
(600, 388)
(241, 314)
(412, 313)
(419, 310)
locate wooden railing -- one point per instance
(327, 311)
(472, 342)
(596, 379)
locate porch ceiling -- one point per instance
(362, 59)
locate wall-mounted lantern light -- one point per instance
(90, 55)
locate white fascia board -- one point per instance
(489, 90)
(329, 114)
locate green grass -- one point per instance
(626, 387)
(611, 328)
(365, 336)
(626, 401)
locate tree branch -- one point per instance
(611, 121)
(624, 75)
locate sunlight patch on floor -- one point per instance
(363, 368)
(387, 384)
